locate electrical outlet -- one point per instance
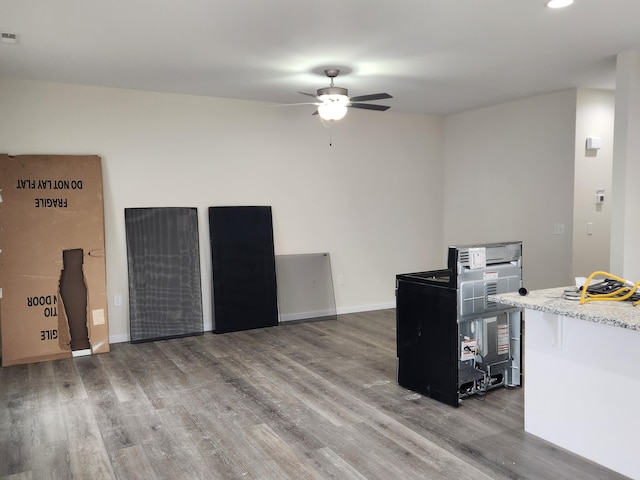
(340, 280)
(117, 300)
(558, 228)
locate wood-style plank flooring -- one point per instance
(313, 400)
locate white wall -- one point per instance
(625, 221)
(509, 176)
(593, 170)
(374, 199)
(388, 197)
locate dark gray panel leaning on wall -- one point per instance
(243, 268)
(165, 295)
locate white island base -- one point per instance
(582, 388)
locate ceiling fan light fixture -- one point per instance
(332, 111)
(559, 3)
(333, 106)
(333, 102)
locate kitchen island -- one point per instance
(582, 375)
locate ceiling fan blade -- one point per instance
(370, 106)
(309, 94)
(294, 104)
(375, 96)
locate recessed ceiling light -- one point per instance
(559, 3)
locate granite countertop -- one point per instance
(618, 314)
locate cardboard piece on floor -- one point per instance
(52, 258)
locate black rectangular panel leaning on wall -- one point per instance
(165, 295)
(243, 265)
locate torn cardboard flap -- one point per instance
(73, 295)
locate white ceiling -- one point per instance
(434, 57)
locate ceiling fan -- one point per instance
(332, 101)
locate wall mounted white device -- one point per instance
(594, 143)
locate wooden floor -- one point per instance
(304, 401)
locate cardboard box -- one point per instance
(52, 258)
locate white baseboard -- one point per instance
(366, 308)
(81, 353)
(289, 317)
